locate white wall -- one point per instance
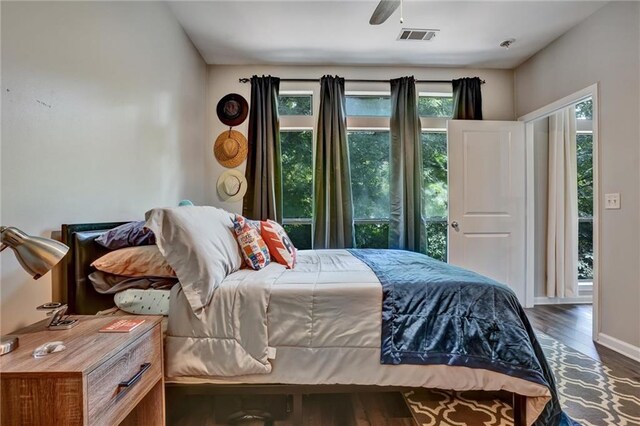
(102, 118)
(497, 96)
(603, 49)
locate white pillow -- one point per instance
(199, 244)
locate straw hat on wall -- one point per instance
(231, 148)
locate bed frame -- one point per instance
(81, 298)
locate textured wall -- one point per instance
(102, 118)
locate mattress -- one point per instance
(324, 324)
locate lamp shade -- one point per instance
(37, 255)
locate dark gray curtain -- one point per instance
(263, 199)
(467, 99)
(332, 203)
(406, 227)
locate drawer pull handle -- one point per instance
(123, 386)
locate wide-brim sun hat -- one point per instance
(230, 148)
(232, 109)
(231, 185)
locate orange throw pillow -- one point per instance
(280, 246)
(142, 261)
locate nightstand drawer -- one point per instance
(139, 365)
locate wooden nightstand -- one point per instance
(83, 385)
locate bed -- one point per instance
(324, 335)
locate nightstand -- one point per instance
(99, 379)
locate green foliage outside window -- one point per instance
(300, 235)
(369, 158)
(295, 105)
(372, 235)
(435, 192)
(584, 110)
(435, 106)
(297, 173)
(584, 155)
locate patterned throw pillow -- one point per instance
(280, 246)
(254, 250)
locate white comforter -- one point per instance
(330, 299)
(321, 325)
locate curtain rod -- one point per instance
(315, 80)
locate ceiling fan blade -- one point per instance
(384, 9)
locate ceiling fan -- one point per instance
(384, 10)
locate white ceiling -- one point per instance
(338, 32)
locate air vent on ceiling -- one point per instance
(414, 34)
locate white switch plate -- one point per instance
(612, 201)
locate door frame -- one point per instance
(528, 119)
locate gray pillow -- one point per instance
(130, 234)
(199, 244)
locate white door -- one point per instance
(487, 199)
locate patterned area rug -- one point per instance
(590, 392)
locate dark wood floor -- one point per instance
(570, 324)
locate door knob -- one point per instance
(455, 225)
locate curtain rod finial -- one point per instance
(244, 80)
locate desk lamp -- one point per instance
(36, 255)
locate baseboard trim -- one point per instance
(563, 300)
(619, 346)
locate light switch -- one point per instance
(612, 201)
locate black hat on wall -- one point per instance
(232, 109)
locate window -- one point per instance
(296, 142)
(435, 198)
(584, 155)
(435, 105)
(368, 105)
(297, 184)
(368, 116)
(294, 104)
(369, 158)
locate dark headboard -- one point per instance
(76, 289)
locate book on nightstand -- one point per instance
(121, 326)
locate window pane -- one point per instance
(435, 195)
(297, 173)
(369, 106)
(584, 155)
(300, 235)
(372, 235)
(434, 172)
(585, 249)
(435, 106)
(369, 157)
(295, 104)
(584, 110)
(437, 239)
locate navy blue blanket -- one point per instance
(436, 313)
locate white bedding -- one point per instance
(324, 322)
